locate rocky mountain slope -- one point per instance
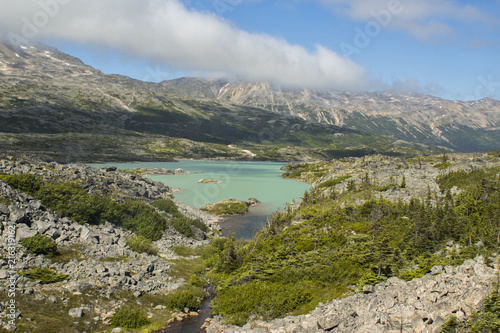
(103, 273)
(53, 104)
(416, 225)
(420, 306)
(464, 126)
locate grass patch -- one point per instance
(44, 275)
(114, 259)
(442, 166)
(184, 251)
(182, 268)
(5, 201)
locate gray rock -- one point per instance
(3, 274)
(76, 312)
(368, 289)
(10, 328)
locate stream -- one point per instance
(191, 324)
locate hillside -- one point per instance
(89, 242)
(94, 243)
(368, 225)
(463, 126)
(53, 105)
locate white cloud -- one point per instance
(424, 19)
(166, 31)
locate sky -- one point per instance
(445, 48)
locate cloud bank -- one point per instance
(426, 20)
(167, 32)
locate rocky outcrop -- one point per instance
(387, 174)
(420, 305)
(97, 257)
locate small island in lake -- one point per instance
(230, 207)
(156, 171)
(209, 181)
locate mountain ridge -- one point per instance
(45, 93)
(413, 117)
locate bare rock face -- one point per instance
(411, 117)
(420, 305)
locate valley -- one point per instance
(398, 227)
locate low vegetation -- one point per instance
(320, 250)
(141, 245)
(188, 298)
(44, 275)
(180, 222)
(226, 207)
(128, 317)
(40, 244)
(72, 201)
(487, 320)
(333, 182)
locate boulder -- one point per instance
(76, 312)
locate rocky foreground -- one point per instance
(421, 305)
(98, 260)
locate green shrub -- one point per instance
(197, 281)
(141, 244)
(129, 318)
(450, 325)
(182, 225)
(44, 275)
(26, 182)
(442, 166)
(167, 206)
(199, 224)
(40, 244)
(70, 200)
(142, 219)
(417, 273)
(264, 299)
(495, 153)
(333, 182)
(188, 298)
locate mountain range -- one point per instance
(464, 126)
(54, 106)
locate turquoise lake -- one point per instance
(240, 180)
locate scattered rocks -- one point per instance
(420, 305)
(102, 262)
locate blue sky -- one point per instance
(445, 48)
